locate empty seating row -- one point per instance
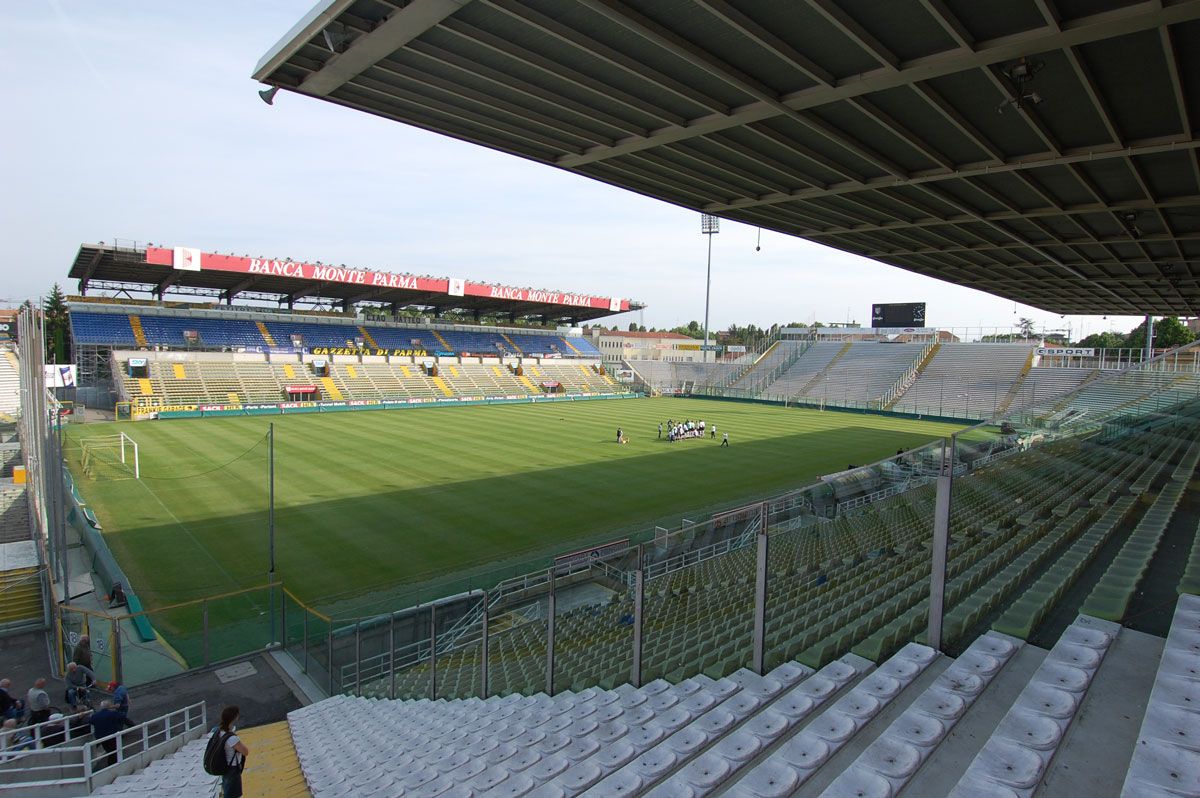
(1164, 761)
(856, 581)
(124, 330)
(1111, 596)
(814, 359)
(966, 379)
(223, 382)
(863, 373)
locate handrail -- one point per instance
(80, 764)
(906, 380)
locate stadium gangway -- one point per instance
(79, 769)
(410, 654)
(697, 556)
(761, 385)
(750, 361)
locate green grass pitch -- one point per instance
(365, 501)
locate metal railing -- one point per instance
(905, 381)
(97, 762)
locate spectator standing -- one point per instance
(235, 754)
(105, 722)
(37, 700)
(8, 704)
(82, 655)
(79, 679)
(120, 699)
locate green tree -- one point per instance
(1169, 333)
(1026, 326)
(58, 327)
(1103, 340)
(633, 326)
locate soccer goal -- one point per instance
(110, 457)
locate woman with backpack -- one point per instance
(232, 754)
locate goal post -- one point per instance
(110, 456)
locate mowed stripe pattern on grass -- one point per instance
(367, 500)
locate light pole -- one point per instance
(709, 226)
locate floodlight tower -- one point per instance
(709, 225)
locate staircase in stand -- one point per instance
(139, 334)
(266, 334)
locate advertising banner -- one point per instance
(190, 259)
(273, 350)
(594, 554)
(59, 376)
(352, 350)
(1065, 351)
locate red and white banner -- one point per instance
(189, 259)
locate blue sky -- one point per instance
(138, 121)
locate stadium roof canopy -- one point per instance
(180, 271)
(1041, 150)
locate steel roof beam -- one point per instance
(585, 44)
(852, 30)
(1015, 165)
(952, 115)
(1007, 90)
(524, 87)
(1099, 104)
(801, 151)
(1172, 59)
(472, 99)
(889, 124)
(396, 31)
(1012, 234)
(1066, 242)
(1081, 31)
(998, 216)
(948, 22)
(767, 40)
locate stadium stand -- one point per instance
(852, 702)
(779, 353)
(168, 331)
(1043, 383)
(10, 392)
(101, 328)
(215, 331)
(666, 376)
(966, 380)
(863, 373)
(184, 382)
(854, 582)
(807, 368)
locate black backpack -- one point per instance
(215, 763)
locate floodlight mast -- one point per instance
(709, 225)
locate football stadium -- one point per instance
(491, 547)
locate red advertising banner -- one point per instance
(188, 259)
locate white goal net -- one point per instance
(110, 457)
